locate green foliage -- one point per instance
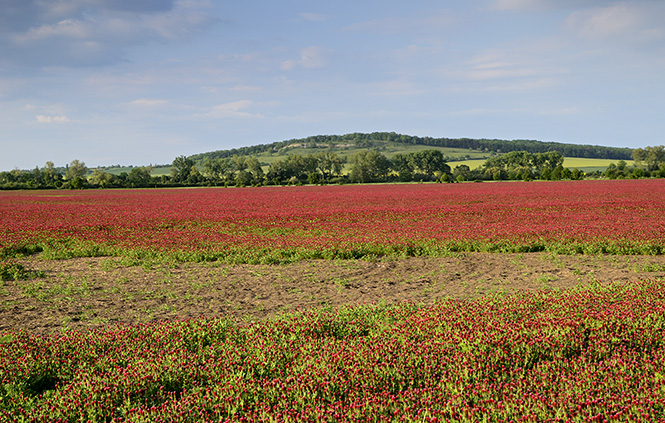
(182, 168)
(76, 169)
(12, 271)
(294, 168)
(651, 157)
(526, 166)
(369, 166)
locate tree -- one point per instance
(314, 178)
(219, 170)
(298, 167)
(76, 169)
(75, 175)
(100, 178)
(650, 157)
(195, 177)
(329, 164)
(255, 169)
(576, 174)
(463, 172)
(369, 166)
(140, 176)
(182, 168)
(430, 162)
(403, 166)
(50, 176)
(240, 163)
(243, 178)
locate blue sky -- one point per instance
(138, 82)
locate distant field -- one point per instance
(591, 165)
(389, 149)
(277, 224)
(156, 170)
(473, 164)
(585, 165)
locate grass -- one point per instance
(591, 165)
(12, 271)
(583, 164)
(149, 258)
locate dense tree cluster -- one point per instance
(526, 166)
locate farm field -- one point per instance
(285, 224)
(537, 301)
(583, 164)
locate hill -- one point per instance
(390, 143)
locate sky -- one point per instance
(140, 82)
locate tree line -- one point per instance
(327, 167)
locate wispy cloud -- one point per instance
(417, 23)
(635, 21)
(482, 111)
(560, 111)
(498, 70)
(145, 102)
(232, 109)
(310, 58)
(518, 69)
(52, 119)
(540, 5)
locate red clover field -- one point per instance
(594, 353)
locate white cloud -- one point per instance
(310, 58)
(560, 111)
(77, 33)
(232, 109)
(246, 88)
(177, 24)
(527, 66)
(539, 5)
(432, 21)
(144, 102)
(52, 119)
(636, 21)
(607, 21)
(68, 28)
(494, 70)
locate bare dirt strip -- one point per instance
(84, 293)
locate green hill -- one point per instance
(390, 143)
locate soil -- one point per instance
(84, 293)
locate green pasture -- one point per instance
(591, 165)
(156, 170)
(585, 165)
(387, 148)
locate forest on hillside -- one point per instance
(372, 140)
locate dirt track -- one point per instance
(84, 293)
